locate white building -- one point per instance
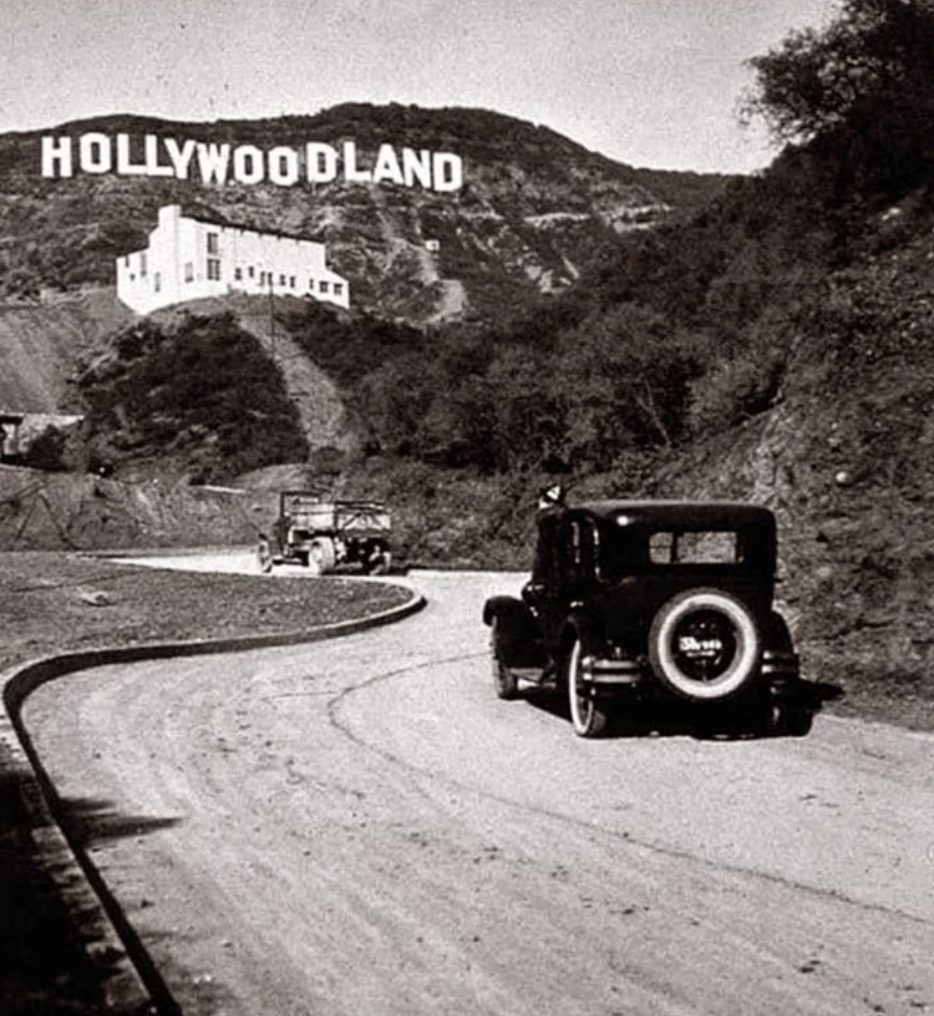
(190, 258)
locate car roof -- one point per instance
(679, 514)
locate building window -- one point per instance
(324, 287)
(338, 288)
(238, 274)
(189, 271)
(142, 265)
(157, 281)
(250, 271)
(311, 285)
(214, 269)
(213, 243)
(281, 280)
(292, 282)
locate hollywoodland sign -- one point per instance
(152, 155)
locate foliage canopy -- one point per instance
(867, 79)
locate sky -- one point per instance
(652, 83)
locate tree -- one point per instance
(868, 75)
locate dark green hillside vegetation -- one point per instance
(202, 400)
(775, 344)
(349, 347)
(863, 88)
(778, 344)
(691, 328)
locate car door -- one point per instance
(563, 573)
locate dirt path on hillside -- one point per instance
(362, 827)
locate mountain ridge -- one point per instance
(533, 209)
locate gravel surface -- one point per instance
(360, 826)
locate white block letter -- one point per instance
(387, 166)
(351, 173)
(94, 153)
(125, 164)
(320, 162)
(180, 157)
(417, 166)
(283, 166)
(153, 166)
(248, 164)
(212, 161)
(448, 171)
(56, 152)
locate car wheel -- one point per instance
(588, 718)
(704, 645)
(505, 682)
(763, 715)
(264, 557)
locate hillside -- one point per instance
(845, 454)
(42, 343)
(533, 209)
(773, 341)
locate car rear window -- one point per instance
(694, 548)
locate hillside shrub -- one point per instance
(47, 451)
(204, 394)
(866, 80)
(735, 390)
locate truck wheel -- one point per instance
(704, 645)
(322, 555)
(264, 557)
(505, 683)
(588, 718)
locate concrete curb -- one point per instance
(133, 984)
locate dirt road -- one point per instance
(360, 827)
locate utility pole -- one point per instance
(272, 320)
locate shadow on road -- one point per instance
(90, 822)
(44, 965)
(672, 721)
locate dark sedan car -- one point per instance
(647, 610)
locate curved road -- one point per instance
(360, 827)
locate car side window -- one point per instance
(578, 542)
(662, 548)
(566, 553)
(694, 547)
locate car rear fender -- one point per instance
(518, 631)
(579, 627)
(781, 666)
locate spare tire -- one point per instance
(704, 645)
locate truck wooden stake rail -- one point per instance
(324, 535)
